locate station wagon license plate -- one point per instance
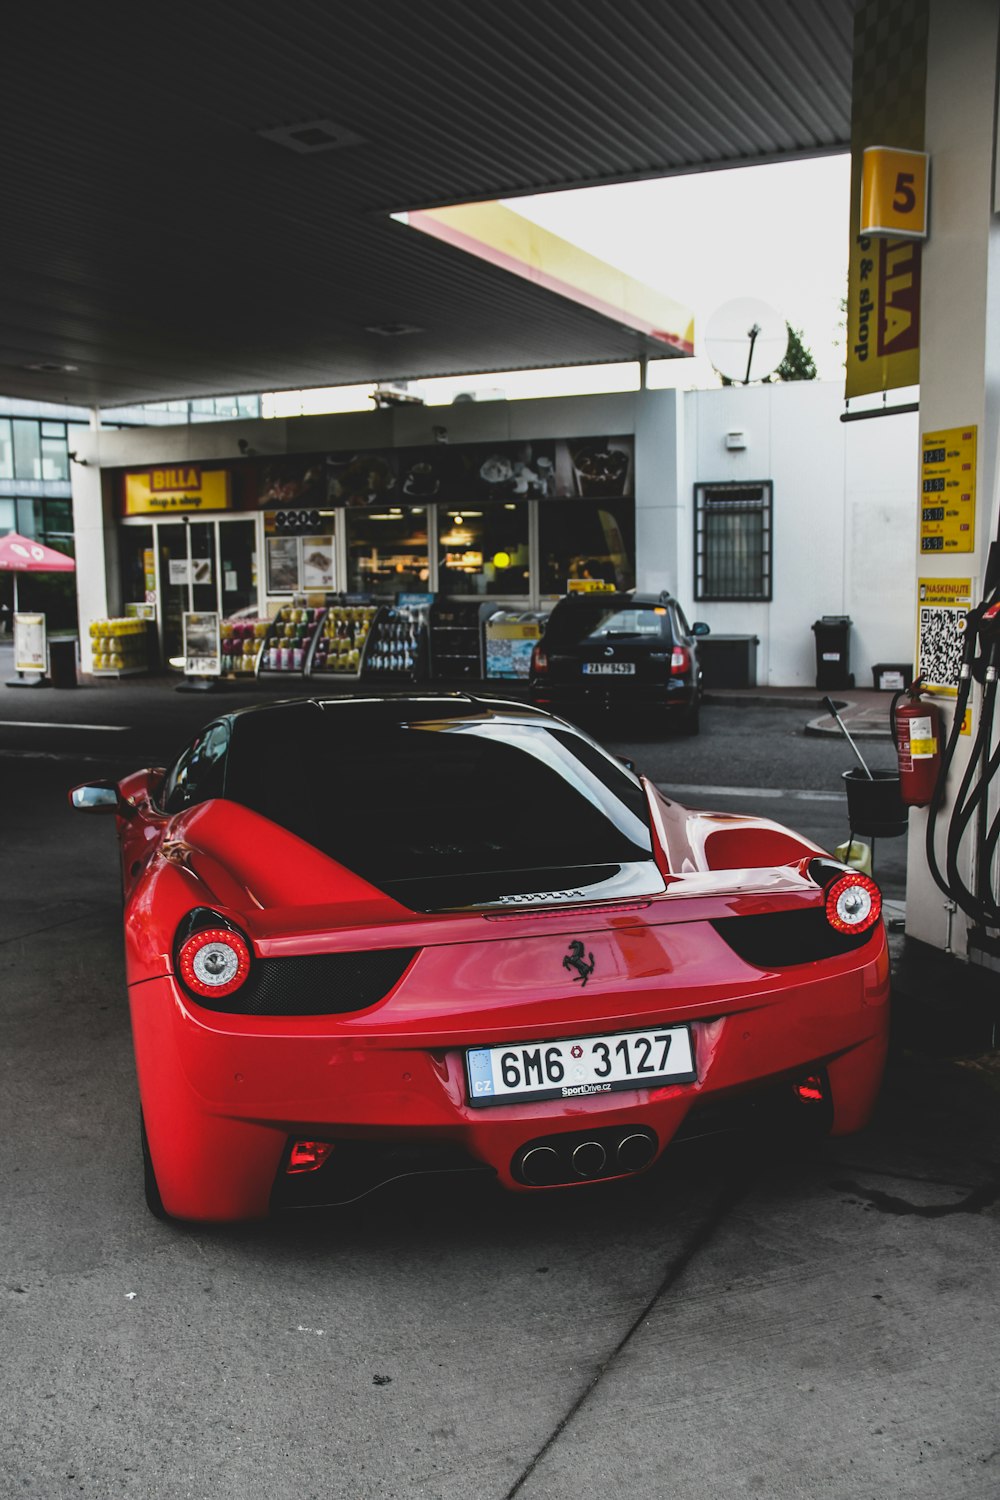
(578, 1067)
(609, 669)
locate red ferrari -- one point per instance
(372, 937)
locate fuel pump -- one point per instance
(971, 804)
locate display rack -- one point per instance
(456, 648)
(339, 645)
(120, 647)
(290, 639)
(396, 648)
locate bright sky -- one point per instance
(777, 232)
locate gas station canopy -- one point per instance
(197, 198)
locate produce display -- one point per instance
(119, 645)
(342, 639)
(240, 643)
(289, 636)
(397, 644)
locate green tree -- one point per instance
(798, 363)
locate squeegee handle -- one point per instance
(831, 708)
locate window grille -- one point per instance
(733, 541)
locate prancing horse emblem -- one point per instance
(575, 960)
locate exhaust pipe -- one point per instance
(541, 1167)
(635, 1152)
(589, 1159)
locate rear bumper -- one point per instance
(223, 1095)
(611, 692)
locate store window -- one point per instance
(299, 549)
(483, 549)
(733, 541)
(55, 458)
(6, 449)
(586, 539)
(387, 550)
(27, 449)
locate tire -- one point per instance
(689, 723)
(153, 1200)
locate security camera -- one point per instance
(246, 449)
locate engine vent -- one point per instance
(317, 984)
(779, 939)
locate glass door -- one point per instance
(238, 565)
(175, 575)
(204, 566)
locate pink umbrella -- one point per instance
(19, 554)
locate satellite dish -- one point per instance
(746, 339)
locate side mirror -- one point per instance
(97, 797)
(700, 628)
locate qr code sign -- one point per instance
(942, 645)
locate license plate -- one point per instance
(579, 1067)
(609, 669)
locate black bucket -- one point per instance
(875, 806)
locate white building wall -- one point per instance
(844, 517)
(845, 498)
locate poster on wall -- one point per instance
(282, 564)
(361, 478)
(202, 645)
(298, 479)
(942, 612)
(30, 653)
(589, 468)
(317, 562)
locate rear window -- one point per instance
(443, 813)
(578, 624)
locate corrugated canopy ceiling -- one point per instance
(156, 240)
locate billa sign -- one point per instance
(883, 316)
(887, 104)
(186, 487)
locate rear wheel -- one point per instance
(153, 1200)
(689, 722)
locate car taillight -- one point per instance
(680, 661)
(308, 1156)
(539, 662)
(853, 903)
(213, 962)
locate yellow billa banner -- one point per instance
(184, 487)
(496, 234)
(883, 282)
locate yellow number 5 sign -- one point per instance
(894, 193)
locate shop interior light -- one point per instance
(501, 559)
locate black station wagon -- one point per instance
(621, 652)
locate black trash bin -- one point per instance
(833, 668)
(62, 663)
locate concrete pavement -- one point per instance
(752, 1319)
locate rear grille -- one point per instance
(317, 984)
(778, 939)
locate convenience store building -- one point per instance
(755, 506)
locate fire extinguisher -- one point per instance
(916, 729)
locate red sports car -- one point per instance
(372, 937)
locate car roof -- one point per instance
(619, 599)
(403, 708)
